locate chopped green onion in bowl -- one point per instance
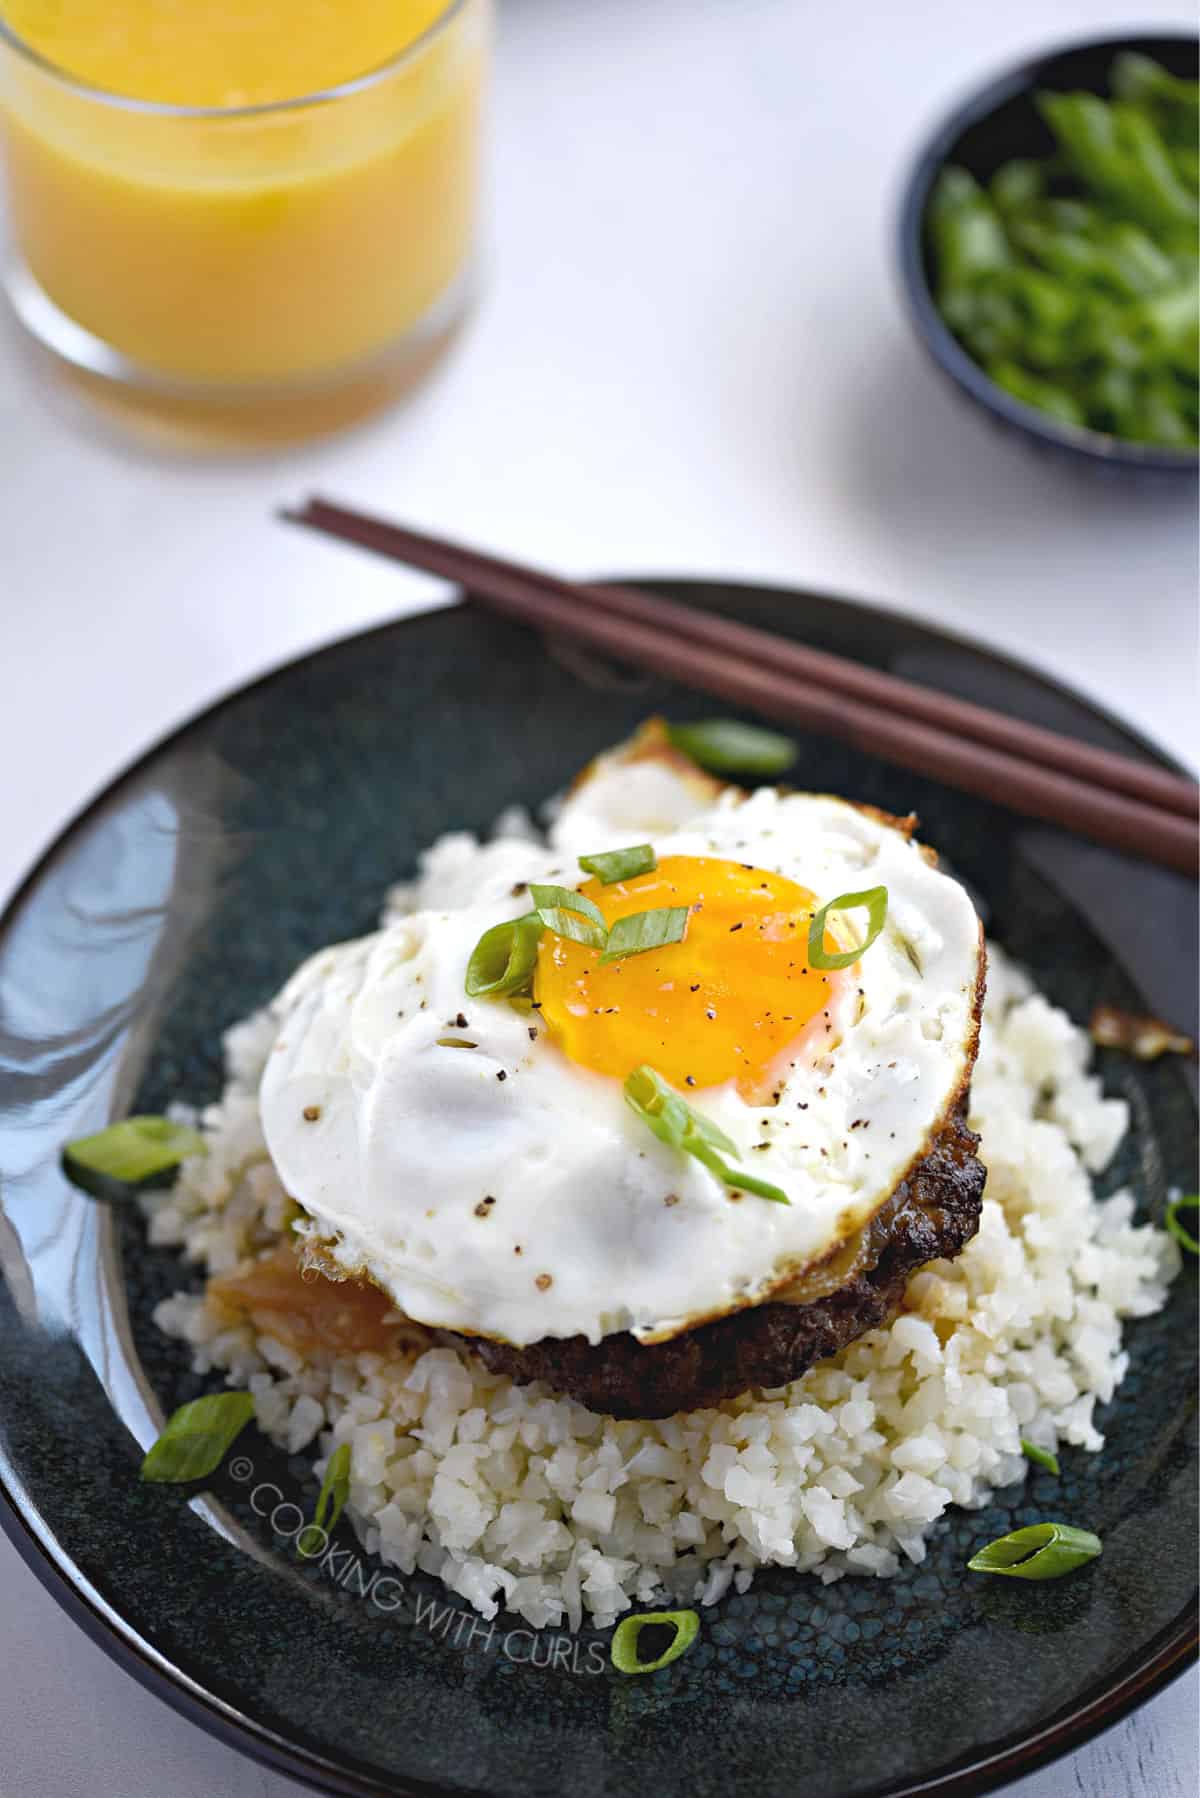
(196, 1438)
(129, 1153)
(1040, 1551)
(1072, 279)
(875, 902)
(726, 746)
(611, 865)
(686, 1625)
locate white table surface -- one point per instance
(689, 358)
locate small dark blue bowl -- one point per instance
(997, 122)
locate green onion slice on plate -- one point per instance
(335, 1488)
(1040, 1551)
(331, 1501)
(196, 1439)
(875, 901)
(128, 1152)
(674, 1122)
(726, 746)
(642, 930)
(1041, 1457)
(1182, 1235)
(503, 960)
(611, 865)
(686, 1625)
(570, 914)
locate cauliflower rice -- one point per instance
(519, 1499)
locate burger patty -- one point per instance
(932, 1214)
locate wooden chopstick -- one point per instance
(1131, 806)
(1142, 780)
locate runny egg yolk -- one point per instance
(726, 1003)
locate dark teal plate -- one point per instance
(179, 901)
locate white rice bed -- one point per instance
(516, 1498)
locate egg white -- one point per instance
(504, 1191)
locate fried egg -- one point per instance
(478, 1160)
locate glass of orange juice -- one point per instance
(241, 202)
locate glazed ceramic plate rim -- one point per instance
(1136, 1680)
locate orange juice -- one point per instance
(243, 192)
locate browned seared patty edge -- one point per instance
(932, 1215)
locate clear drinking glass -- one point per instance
(234, 258)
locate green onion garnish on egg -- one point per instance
(128, 1152)
(1040, 1551)
(642, 930)
(197, 1437)
(611, 865)
(570, 914)
(1176, 1228)
(503, 960)
(875, 900)
(1041, 1457)
(669, 1115)
(674, 1122)
(686, 1625)
(726, 746)
(741, 1182)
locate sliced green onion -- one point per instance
(1040, 1551)
(335, 1487)
(1182, 1235)
(686, 1625)
(620, 864)
(335, 1490)
(726, 746)
(129, 1152)
(673, 1121)
(570, 914)
(669, 1115)
(1040, 1456)
(875, 899)
(576, 929)
(503, 960)
(196, 1439)
(642, 930)
(740, 1182)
